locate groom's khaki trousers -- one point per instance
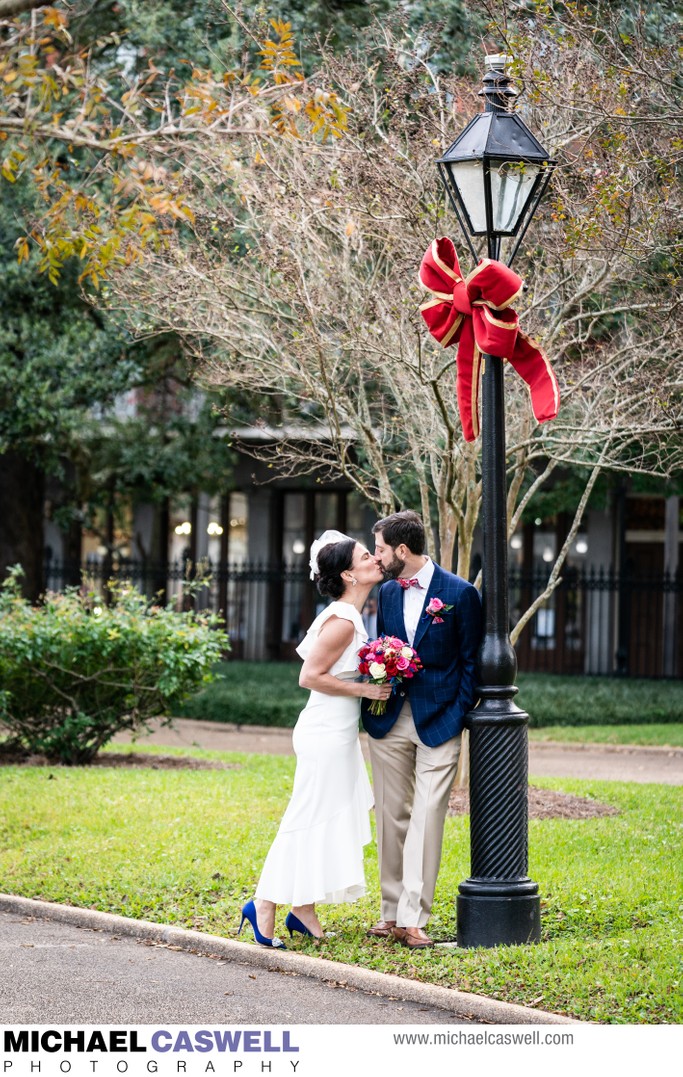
(412, 784)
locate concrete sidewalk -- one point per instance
(65, 965)
(549, 760)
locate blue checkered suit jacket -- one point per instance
(443, 692)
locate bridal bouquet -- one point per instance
(387, 660)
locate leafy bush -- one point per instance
(555, 699)
(74, 672)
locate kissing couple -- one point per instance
(317, 855)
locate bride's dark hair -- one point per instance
(334, 559)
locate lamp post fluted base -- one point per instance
(499, 904)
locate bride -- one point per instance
(317, 855)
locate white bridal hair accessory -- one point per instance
(326, 539)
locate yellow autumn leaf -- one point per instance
(53, 17)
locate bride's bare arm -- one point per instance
(335, 636)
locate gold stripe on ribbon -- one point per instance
(477, 270)
(548, 367)
(476, 364)
(496, 321)
(452, 331)
(482, 302)
(431, 303)
(510, 300)
(442, 265)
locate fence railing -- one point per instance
(595, 622)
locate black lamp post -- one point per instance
(495, 174)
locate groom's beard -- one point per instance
(394, 569)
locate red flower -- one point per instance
(397, 660)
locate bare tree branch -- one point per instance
(301, 289)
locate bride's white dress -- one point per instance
(317, 855)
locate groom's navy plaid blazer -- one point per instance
(443, 692)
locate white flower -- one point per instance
(377, 671)
(407, 652)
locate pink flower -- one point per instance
(435, 607)
(387, 660)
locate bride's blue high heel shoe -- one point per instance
(293, 923)
(249, 913)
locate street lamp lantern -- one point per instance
(496, 171)
(495, 174)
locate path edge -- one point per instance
(460, 1003)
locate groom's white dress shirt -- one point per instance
(414, 599)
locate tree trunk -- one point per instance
(72, 555)
(22, 498)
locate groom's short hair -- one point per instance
(403, 528)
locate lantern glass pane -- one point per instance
(468, 177)
(511, 187)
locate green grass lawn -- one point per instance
(602, 709)
(654, 735)
(186, 847)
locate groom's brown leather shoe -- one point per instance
(383, 929)
(413, 937)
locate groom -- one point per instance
(415, 745)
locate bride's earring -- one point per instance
(354, 581)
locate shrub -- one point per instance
(268, 694)
(74, 672)
(250, 693)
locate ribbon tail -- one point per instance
(533, 366)
(467, 384)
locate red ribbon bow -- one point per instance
(475, 313)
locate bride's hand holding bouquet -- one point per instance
(387, 661)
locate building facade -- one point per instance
(617, 610)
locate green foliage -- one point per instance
(74, 672)
(174, 33)
(171, 445)
(58, 355)
(104, 129)
(268, 694)
(610, 887)
(555, 700)
(249, 693)
(63, 365)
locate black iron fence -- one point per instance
(595, 622)
(601, 621)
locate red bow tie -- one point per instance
(405, 584)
